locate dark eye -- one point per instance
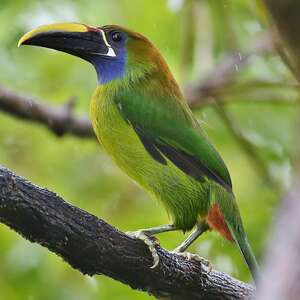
(116, 37)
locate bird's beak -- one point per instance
(76, 39)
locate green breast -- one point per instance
(183, 197)
(118, 138)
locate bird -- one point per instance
(143, 122)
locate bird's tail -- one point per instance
(242, 242)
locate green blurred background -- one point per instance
(194, 36)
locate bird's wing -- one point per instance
(168, 131)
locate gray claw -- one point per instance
(149, 242)
(191, 256)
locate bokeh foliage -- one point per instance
(194, 36)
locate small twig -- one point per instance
(285, 57)
(92, 246)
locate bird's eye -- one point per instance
(116, 37)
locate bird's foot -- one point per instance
(151, 242)
(195, 257)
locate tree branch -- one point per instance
(92, 246)
(223, 74)
(59, 120)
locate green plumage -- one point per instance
(141, 119)
(120, 113)
(147, 128)
(179, 193)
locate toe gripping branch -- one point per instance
(150, 241)
(146, 235)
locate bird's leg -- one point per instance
(201, 228)
(154, 230)
(145, 236)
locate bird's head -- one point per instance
(114, 51)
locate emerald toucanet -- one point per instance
(143, 122)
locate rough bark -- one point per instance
(92, 246)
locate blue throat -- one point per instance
(108, 68)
